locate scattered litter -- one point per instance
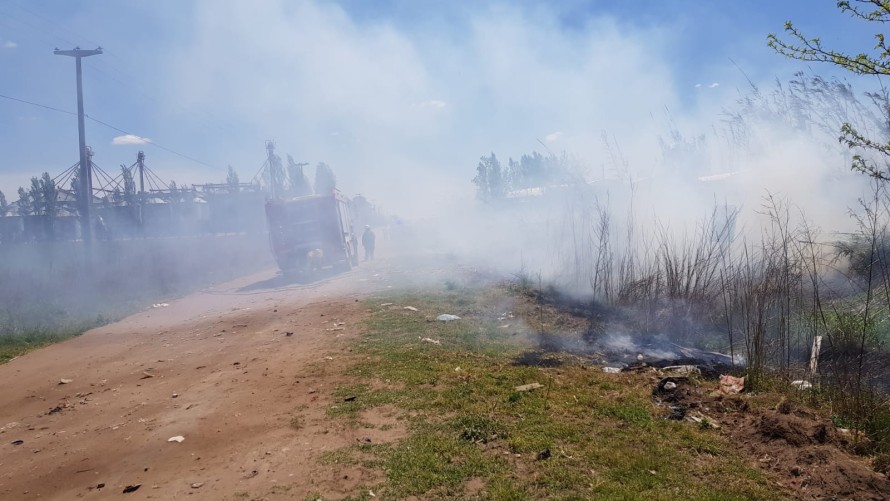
(288, 334)
(350, 398)
(683, 370)
(160, 305)
(447, 317)
(175, 395)
(430, 340)
(457, 369)
(409, 308)
(328, 358)
(147, 375)
(18, 442)
(505, 326)
(505, 316)
(529, 387)
(669, 392)
(731, 385)
(545, 454)
(54, 410)
(132, 488)
(371, 493)
(66, 381)
(704, 421)
(177, 439)
(652, 472)
(9, 426)
(611, 370)
(100, 486)
(197, 485)
(801, 384)
(386, 304)
(252, 474)
(335, 329)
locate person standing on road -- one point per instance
(368, 238)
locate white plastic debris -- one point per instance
(409, 308)
(801, 384)
(685, 370)
(386, 304)
(430, 340)
(160, 305)
(611, 370)
(447, 317)
(670, 385)
(66, 381)
(177, 439)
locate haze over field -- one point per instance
(403, 98)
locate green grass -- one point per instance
(14, 345)
(605, 438)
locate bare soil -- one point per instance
(217, 368)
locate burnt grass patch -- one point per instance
(623, 336)
(539, 359)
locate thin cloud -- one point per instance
(553, 136)
(714, 85)
(130, 139)
(433, 104)
(9, 44)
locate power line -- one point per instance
(51, 30)
(153, 143)
(38, 104)
(112, 127)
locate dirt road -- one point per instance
(216, 368)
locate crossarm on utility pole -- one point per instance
(86, 173)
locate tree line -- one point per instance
(495, 181)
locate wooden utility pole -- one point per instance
(86, 173)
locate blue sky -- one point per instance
(380, 89)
